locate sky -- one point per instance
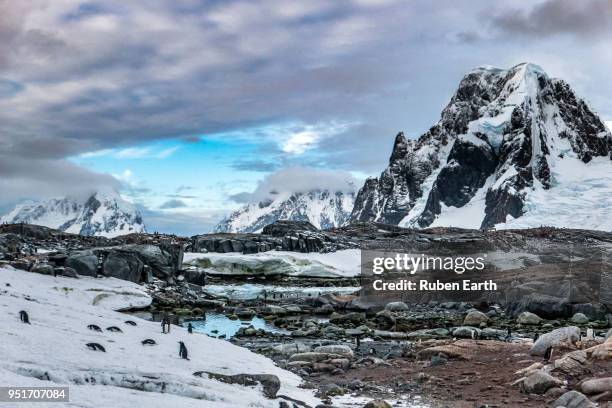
(193, 108)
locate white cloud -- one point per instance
(133, 153)
(166, 152)
(299, 142)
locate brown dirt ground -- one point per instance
(482, 379)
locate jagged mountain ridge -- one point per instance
(322, 208)
(513, 148)
(101, 214)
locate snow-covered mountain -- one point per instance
(513, 149)
(324, 209)
(101, 214)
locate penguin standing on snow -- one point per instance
(183, 351)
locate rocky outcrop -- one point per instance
(297, 236)
(136, 263)
(495, 147)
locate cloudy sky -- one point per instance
(193, 107)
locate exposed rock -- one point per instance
(339, 349)
(270, 383)
(557, 337)
(579, 318)
(529, 318)
(596, 386)
(377, 404)
(539, 382)
(291, 348)
(397, 307)
(475, 318)
(573, 399)
(466, 332)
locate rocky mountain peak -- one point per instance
(505, 137)
(103, 213)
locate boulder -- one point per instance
(475, 318)
(563, 335)
(353, 317)
(339, 349)
(580, 318)
(609, 335)
(573, 399)
(397, 307)
(428, 333)
(539, 382)
(123, 265)
(85, 263)
(571, 363)
(324, 310)
(528, 318)
(273, 310)
(596, 386)
(288, 349)
(309, 356)
(466, 332)
(42, 268)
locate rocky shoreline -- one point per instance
(434, 353)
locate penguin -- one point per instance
(23, 315)
(183, 351)
(148, 342)
(95, 347)
(130, 322)
(114, 329)
(94, 327)
(548, 353)
(190, 328)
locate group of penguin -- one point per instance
(183, 353)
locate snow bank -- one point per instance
(345, 263)
(51, 351)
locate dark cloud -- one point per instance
(171, 204)
(590, 17)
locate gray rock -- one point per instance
(377, 404)
(539, 382)
(123, 265)
(397, 307)
(554, 338)
(580, 318)
(42, 268)
(291, 348)
(339, 349)
(573, 399)
(85, 263)
(475, 318)
(269, 382)
(528, 318)
(466, 332)
(609, 335)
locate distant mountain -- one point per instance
(323, 208)
(513, 149)
(101, 214)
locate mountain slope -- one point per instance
(102, 214)
(322, 208)
(513, 148)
